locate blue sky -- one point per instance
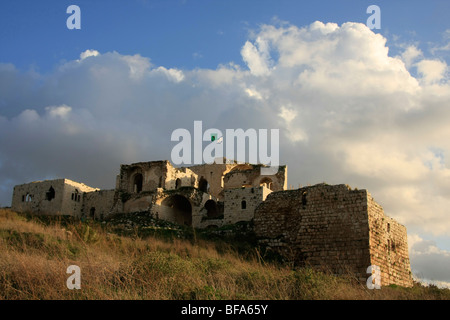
(369, 108)
(188, 34)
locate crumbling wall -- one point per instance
(153, 175)
(250, 176)
(335, 228)
(180, 177)
(213, 174)
(182, 206)
(388, 246)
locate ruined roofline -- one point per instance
(146, 162)
(75, 183)
(325, 185)
(368, 195)
(225, 162)
(40, 181)
(63, 180)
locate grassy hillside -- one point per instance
(35, 253)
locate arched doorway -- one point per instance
(92, 212)
(179, 209)
(203, 184)
(137, 183)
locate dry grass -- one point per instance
(34, 258)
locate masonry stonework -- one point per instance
(323, 226)
(336, 228)
(52, 197)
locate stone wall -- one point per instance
(183, 206)
(32, 197)
(248, 175)
(388, 246)
(50, 197)
(329, 227)
(240, 204)
(180, 177)
(213, 174)
(98, 204)
(153, 175)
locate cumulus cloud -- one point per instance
(429, 263)
(347, 113)
(89, 53)
(256, 58)
(432, 70)
(411, 54)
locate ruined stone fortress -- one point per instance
(326, 226)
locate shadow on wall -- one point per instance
(180, 209)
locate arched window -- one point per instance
(76, 196)
(304, 201)
(244, 204)
(267, 182)
(137, 183)
(203, 184)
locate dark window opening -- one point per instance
(160, 182)
(211, 209)
(388, 227)
(50, 194)
(244, 204)
(75, 195)
(23, 198)
(177, 183)
(79, 198)
(304, 199)
(92, 212)
(137, 183)
(203, 185)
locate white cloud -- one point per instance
(432, 71)
(137, 65)
(253, 93)
(173, 75)
(347, 112)
(256, 59)
(411, 54)
(429, 263)
(89, 53)
(62, 111)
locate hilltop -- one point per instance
(151, 260)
